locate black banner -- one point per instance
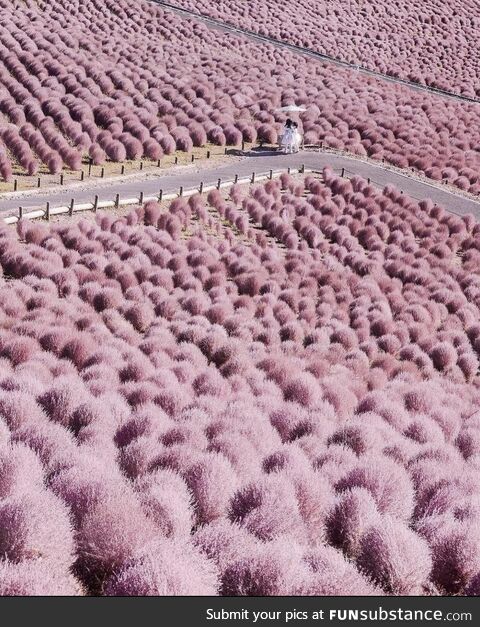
(205, 611)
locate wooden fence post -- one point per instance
(193, 158)
(122, 169)
(176, 160)
(253, 177)
(90, 163)
(39, 182)
(288, 170)
(158, 163)
(82, 175)
(160, 195)
(140, 200)
(15, 185)
(70, 210)
(343, 172)
(219, 182)
(47, 211)
(117, 201)
(236, 178)
(95, 203)
(302, 168)
(20, 213)
(208, 154)
(61, 178)
(141, 166)
(200, 189)
(180, 191)
(270, 175)
(102, 173)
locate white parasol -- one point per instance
(291, 109)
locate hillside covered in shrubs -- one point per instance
(109, 80)
(268, 391)
(432, 42)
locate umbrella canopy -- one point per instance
(291, 109)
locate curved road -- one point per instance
(226, 27)
(259, 162)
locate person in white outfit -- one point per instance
(297, 138)
(287, 137)
(291, 138)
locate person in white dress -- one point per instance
(291, 138)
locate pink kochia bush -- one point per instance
(119, 97)
(165, 568)
(188, 408)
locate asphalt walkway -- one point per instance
(259, 162)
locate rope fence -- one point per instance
(343, 172)
(48, 211)
(117, 202)
(22, 183)
(349, 174)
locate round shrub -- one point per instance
(394, 556)
(165, 568)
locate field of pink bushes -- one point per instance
(267, 391)
(432, 42)
(104, 79)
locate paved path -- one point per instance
(259, 162)
(226, 27)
